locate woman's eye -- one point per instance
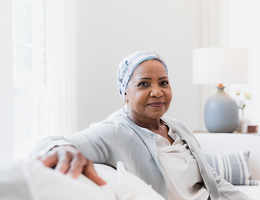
(164, 83)
(143, 84)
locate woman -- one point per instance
(159, 150)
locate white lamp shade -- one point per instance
(219, 65)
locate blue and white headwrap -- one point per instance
(128, 65)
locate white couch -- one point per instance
(235, 143)
(29, 179)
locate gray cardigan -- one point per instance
(122, 140)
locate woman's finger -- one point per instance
(65, 158)
(77, 164)
(91, 173)
(50, 159)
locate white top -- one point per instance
(181, 171)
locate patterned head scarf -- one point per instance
(127, 66)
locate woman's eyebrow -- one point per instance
(151, 79)
(163, 77)
(145, 78)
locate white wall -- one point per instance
(6, 82)
(110, 30)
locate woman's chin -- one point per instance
(156, 115)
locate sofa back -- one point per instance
(233, 143)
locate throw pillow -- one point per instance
(234, 167)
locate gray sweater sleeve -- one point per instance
(227, 190)
(95, 143)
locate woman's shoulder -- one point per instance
(115, 124)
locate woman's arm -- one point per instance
(227, 190)
(74, 154)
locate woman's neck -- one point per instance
(155, 126)
(151, 124)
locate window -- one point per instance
(29, 73)
(44, 64)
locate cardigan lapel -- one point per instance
(149, 139)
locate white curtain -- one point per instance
(245, 31)
(61, 65)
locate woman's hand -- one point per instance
(68, 160)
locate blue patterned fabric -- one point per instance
(128, 65)
(233, 168)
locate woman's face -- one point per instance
(148, 94)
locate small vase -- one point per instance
(243, 121)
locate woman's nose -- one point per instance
(156, 91)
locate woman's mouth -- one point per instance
(156, 104)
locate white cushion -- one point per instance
(131, 187)
(31, 180)
(108, 174)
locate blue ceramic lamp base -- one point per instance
(221, 113)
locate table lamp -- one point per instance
(220, 65)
